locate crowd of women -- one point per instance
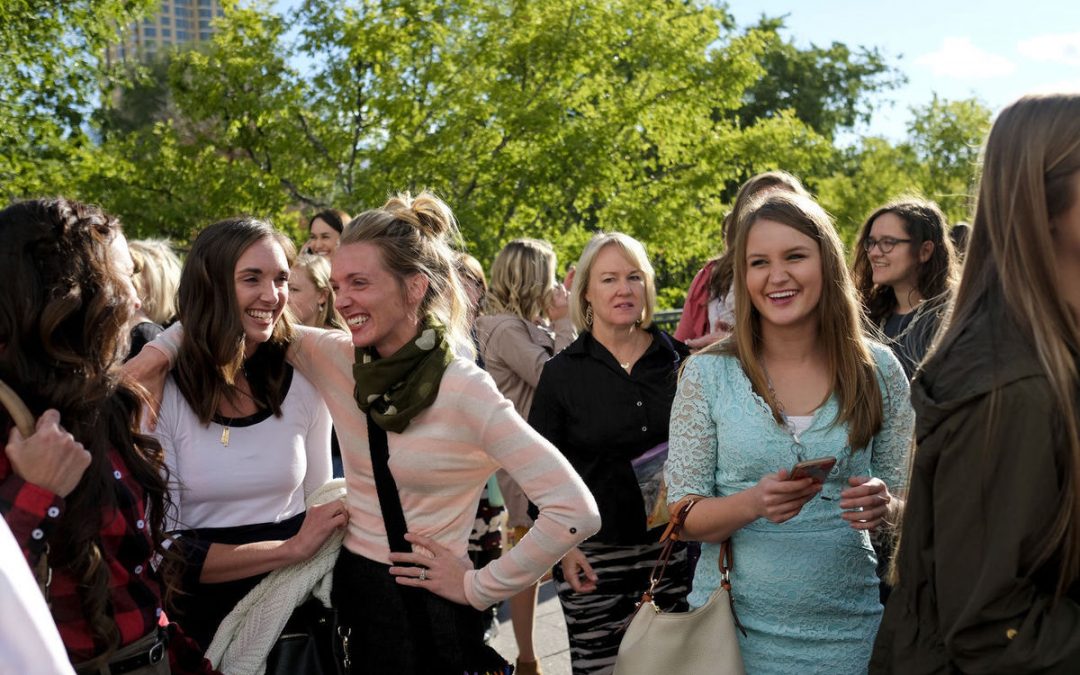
(179, 512)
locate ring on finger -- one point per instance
(423, 574)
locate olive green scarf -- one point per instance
(395, 389)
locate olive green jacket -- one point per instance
(985, 486)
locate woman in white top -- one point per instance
(245, 436)
(445, 428)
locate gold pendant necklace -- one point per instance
(229, 420)
(225, 427)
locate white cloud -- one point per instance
(1059, 87)
(959, 57)
(1053, 47)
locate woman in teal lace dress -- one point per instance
(796, 381)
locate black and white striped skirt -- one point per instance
(595, 621)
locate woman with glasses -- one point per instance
(796, 381)
(905, 270)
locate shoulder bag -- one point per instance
(311, 643)
(428, 613)
(702, 640)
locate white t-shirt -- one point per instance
(262, 476)
(722, 311)
(29, 641)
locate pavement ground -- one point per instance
(549, 634)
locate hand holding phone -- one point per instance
(816, 469)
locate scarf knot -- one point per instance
(395, 389)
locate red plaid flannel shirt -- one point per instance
(135, 594)
(32, 514)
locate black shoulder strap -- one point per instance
(394, 519)
(389, 499)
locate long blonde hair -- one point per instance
(522, 278)
(1030, 160)
(854, 372)
(317, 269)
(157, 278)
(417, 235)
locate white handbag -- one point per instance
(702, 640)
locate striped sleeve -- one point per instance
(568, 513)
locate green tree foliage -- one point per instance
(946, 137)
(936, 161)
(50, 80)
(550, 119)
(828, 88)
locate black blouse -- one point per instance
(602, 417)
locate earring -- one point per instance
(588, 315)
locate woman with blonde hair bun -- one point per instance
(987, 569)
(526, 322)
(422, 428)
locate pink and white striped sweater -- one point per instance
(441, 462)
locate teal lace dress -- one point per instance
(805, 590)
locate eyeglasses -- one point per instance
(885, 244)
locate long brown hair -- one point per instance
(854, 373)
(1030, 161)
(723, 270)
(212, 353)
(923, 222)
(63, 333)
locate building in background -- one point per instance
(176, 23)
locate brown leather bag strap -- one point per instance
(24, 422)
(20, 414)
(727, 563)
(671, 535)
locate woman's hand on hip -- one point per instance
(439, 571)
(780, 499)
(866, 503)
(578, 572)
(320, 522)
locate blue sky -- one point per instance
(994, 50)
